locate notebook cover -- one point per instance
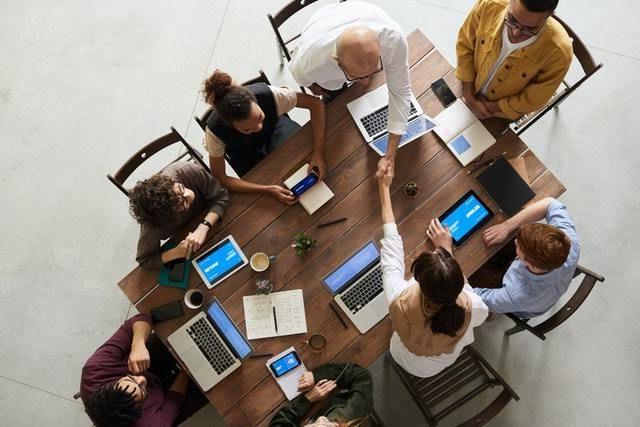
(505, 186)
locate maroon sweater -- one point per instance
(109, 363)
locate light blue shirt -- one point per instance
(526, 294)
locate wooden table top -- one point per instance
(250, 396)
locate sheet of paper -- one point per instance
(476, 141)
(312, 199)
(453, 121)
(289, 381)
(289, 314)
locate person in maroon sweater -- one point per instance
(120, 387)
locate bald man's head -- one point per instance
(358, 51)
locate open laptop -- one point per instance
(356, 285)
(210, 345)
(371, 110)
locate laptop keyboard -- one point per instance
(211, 346)
(364, 291)
(376, 122)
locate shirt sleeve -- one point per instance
(396, 67)
(216, 196)
(465, 46)
(558, 216)
(479, 309)
(292, 414)
(285, 98)
(166, 414)
(149, 253)
(392, 262)
(214, 145)
(359, 394)
(498, 300)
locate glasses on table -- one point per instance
(353, 79)
(511, 22)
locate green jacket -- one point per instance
(354, 400)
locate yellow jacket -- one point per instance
(527, 78)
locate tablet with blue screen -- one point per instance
(220, 261)
(465, 217)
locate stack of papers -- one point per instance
(312, 199)
(275, 315)
(464, 134)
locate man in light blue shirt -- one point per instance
(547, 256)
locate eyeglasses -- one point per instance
(353, 79)
(182, 196)
(511, 22)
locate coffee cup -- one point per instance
(194, 298)
(259, 261)
(317, 343)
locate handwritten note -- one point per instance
(288, 318)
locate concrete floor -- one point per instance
(84, 84)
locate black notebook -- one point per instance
(505, 186)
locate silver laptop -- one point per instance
(371, 110)
(357, 287)
(210, 345)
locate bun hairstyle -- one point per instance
(441, 281)
(232, 102)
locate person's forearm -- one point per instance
(141, 331)
(318, 124)
(181, 383)
(238, 185)
(385, 204)
(170, 255)
(212, 217)
(468, 90)
(533, 213)
(392, 147)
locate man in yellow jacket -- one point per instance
(512, 56)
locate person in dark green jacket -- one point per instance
(344, 390)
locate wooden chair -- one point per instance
(567, 310)
(202, 120)
(468, 377)
(589, 67)
(148, 151)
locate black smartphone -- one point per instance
(305, 184)
(176, 274)
(167, 311)
(442, 91)
(285, 364)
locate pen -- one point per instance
(275, 319)
(486, 162)
(338, 315)
(332, 222)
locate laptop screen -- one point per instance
(230, 331)
(352, 267)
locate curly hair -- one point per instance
(232, 102)
(154, 202)
(111, 406)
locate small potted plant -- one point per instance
(411, 188)
(303, 244)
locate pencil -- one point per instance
(335, 310)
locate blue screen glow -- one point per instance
(220, 261)
(285, 364)
(229, 330)
(465, 217)
(352, 267)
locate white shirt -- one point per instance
(507, 49)
(313, 61)
(392, 260)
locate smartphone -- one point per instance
(285, 364)
(176, 274)
(304, 185)
(442, 91)
(167, 311)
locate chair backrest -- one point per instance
(469, 376)
(584, 289)
(118, 179)
(580, 50)
(202, 120)
(281, 17)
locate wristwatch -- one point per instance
(207, 223)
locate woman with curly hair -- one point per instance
(164, 203)
(249, 122)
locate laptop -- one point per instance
(371, 110)
(210, 345)
(356, 286)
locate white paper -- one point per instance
(312, 199)
(454, 120)
(289, 314)
(289, 381)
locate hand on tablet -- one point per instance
(439, 235)
(496, 234)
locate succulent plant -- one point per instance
(303, 244)
(411, 188)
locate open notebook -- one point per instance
(316, 196)
(462, 132)
(274, 315)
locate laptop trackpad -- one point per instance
(193, 358)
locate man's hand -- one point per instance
(321, 390)
(439, 235)
(197, 237)
(496, 234)
(386, 171)
(479, 108)
(139, 359)
(306, 381)
(317, 163)
(281, 194)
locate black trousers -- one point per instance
(491, 273)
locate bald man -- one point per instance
(349, 42)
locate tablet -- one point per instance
(220, 262)
(465, 217)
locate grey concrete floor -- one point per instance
(84, 84)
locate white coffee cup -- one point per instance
(259, 261)
(192, 294)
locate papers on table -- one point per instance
(463, 133)
(312, 199)
(289, 381)
(275, 315)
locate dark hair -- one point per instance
(544, 246)
(441, 281)
(154, 202)
(232, 102)
(111, 406)
(540, 5)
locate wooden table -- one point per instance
(250, 396)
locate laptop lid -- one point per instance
(228, 330)
(352, 269)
